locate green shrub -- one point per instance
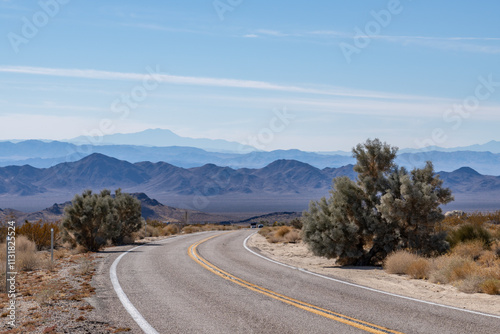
(469, 232)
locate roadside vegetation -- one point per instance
(473, 262)
(392, 218)
(281, 234)
(385, 209)
(51, 295)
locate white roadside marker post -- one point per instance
(52, 245)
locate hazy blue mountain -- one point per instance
(484, 162)
(163, 138)
(98, 171)
(492, 146)
(280, 186)
(47, 154)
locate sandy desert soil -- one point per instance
(298, 255)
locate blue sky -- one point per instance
(317, 76)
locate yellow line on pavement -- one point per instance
(363, 325)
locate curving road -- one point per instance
(209, 283)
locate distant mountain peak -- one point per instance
(466, 171)
(164, 137)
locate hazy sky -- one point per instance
(313, 75)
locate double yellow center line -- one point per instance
(363, 325)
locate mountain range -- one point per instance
(163, 137)
(42, 154)
(283, 185)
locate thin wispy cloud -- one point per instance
(475, 44)
(202, 81)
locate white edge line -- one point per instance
(134, 313)
(138, 318)
(363, 287)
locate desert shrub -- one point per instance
(265, 231)
(26, 257)
(191, 229)
(24, 245)
(151, 231)
(385, 209)
(471, 284)
(170, 229)
(469, 249)
(273, 239)
(488, 259)
(469, 232)
(95, 219)
(491, 286)
(283, 234)
(420, 268)
(399, 262)
(127, 212)
(292, 237)
(155, 223)
(296, 223)
(39, 233)
(464, 270)
(442, 268)
(282, 231)
(453, 268)
(496, 248)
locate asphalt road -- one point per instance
(179, 285)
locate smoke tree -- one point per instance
(385, 209)
(93, 219)
(128, 211)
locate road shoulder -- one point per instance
(298, 255)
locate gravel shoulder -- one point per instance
(298, 255)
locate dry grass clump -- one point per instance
(191, 229)
(419, 269)
(399, 262)
(170, 229)
(293, 236)
(471, 249)
(27, 258)
(473, 263)
(281, 234)
(282, 231)
(468, 267)
(491, 286)
(449, 268)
